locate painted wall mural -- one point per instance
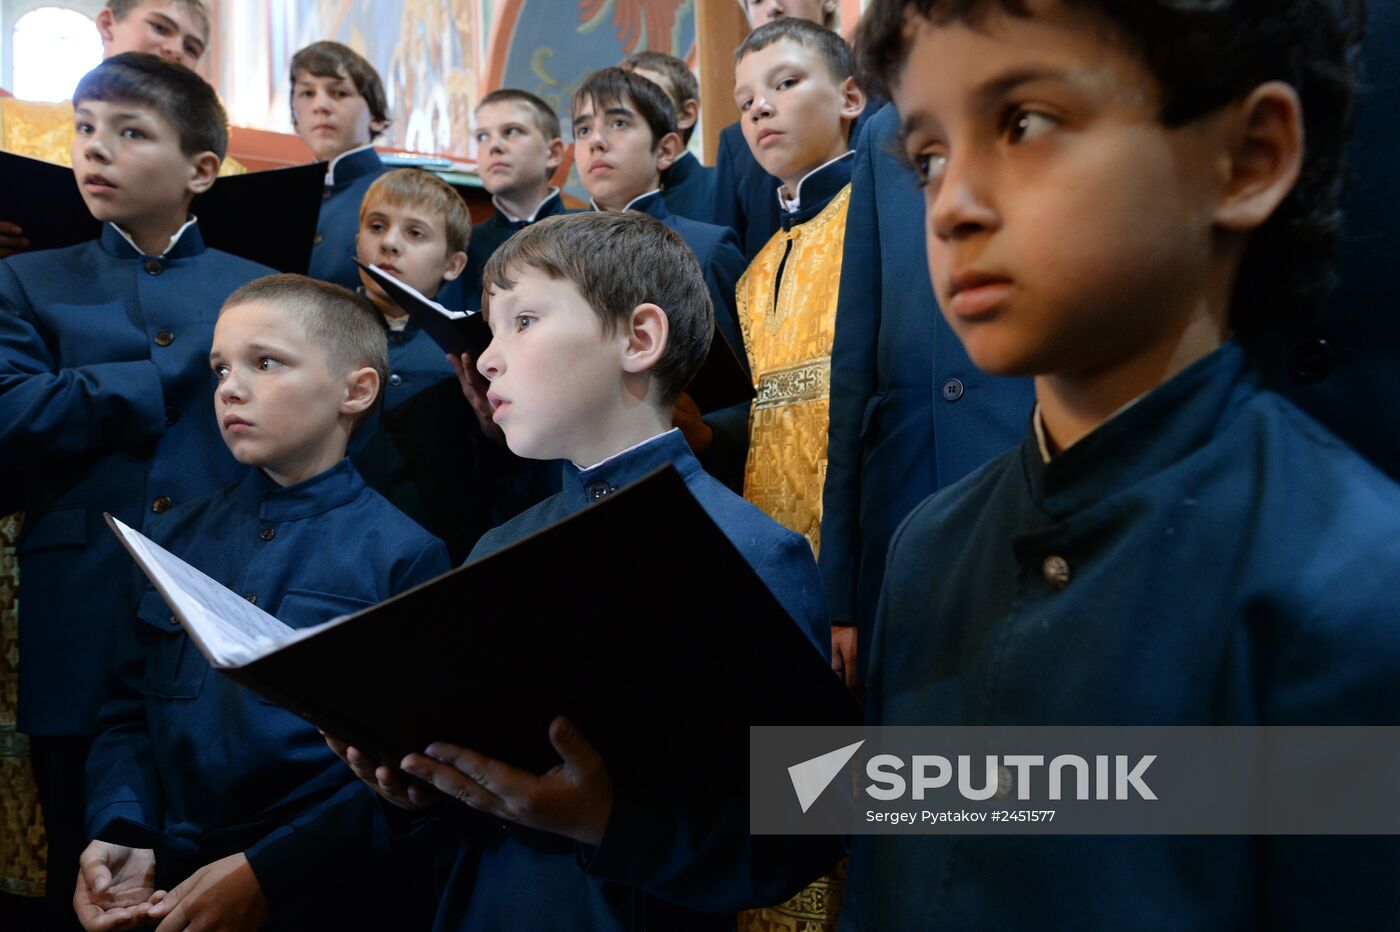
(438, 57)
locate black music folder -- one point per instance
(457, 332)
(636, 617)
(268, 216)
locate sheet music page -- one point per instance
(229, 629)
(389, 282)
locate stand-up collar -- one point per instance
(348, 166)
(1160, 429)
(816, 189)
(545, 208)
(187, 242)
(652, 204)
(682, 170)
(616, 472)
(259, 495)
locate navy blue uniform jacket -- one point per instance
(487, 237)
(192, 763)
(333, 251)
(910, 413)
(106, 404)
(1230, 563)
(656, 868)
(689, 189)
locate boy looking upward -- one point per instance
(338, 108)
(599, 321)
(519, 148)
(104, 392)
(1170, 544)
(687, 186)
(190, 769)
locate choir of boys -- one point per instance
(1116, 205)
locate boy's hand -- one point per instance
(843, 654)
(475, 387)
(393, 785)
(12, 239)
(224, 895)
(573, 799)
(116, 887)
(686, 416)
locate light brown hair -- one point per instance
(413, 187)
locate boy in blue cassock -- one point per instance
(688, 187)
(191, 770)
(104, 392)
(625, 138)
(599, 320)
(910, 413)
(519, 148)
(1121, 198)
(338, 108)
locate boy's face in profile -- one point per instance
(1069, 230)
(512, 154)
(128, 164)
(156, 27)
(551, 368)
(279, 401)
(330, 115)
(617, 157)
(409, 241)
(791, 109)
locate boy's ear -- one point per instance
(455, 264)
(689, 114)
(105, 20)
(361, 388)
(647, 331)
(204, 171)
(668, 149)
(852, 99)
(378, 126)
(1265, 157)
(556, 155)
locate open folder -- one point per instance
(720, 383)
(636, 617)
(268, 216)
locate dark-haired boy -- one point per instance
(519, 148)
(599, 320)
(687, 186)
(338, 108)
(191, 770)
(104, 393)
(1171, 544)
(624, 139)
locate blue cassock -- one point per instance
(347, 180)
(199, 767)
(656, 868)
(487, 237)
(106, 404)
(1230, 562)
(910, 413)
(689, 189)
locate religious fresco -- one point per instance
(438, 57)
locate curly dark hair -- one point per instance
(1205, 54)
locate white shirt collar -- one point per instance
(530, 219)
(594, 204)
(330, 171)
(609, 459)
(795, 202)
(168, 246)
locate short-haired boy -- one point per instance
(687, 186)
(519, 149)
(190, 768)
(624, 139)
(599, 320)
(423, 449)
(339, 108)
(1121, 199)
(104, 395)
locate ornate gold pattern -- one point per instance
(22, 845)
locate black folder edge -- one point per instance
(53, 214)
(330, 722)
(456, 335)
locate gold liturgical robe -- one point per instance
(788, 326)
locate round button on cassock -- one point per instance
(1056, 571)
(153, 266)
(161, 505)
(267, 533)
(952, 390)
(164, 338)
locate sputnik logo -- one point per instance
(811, 777)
